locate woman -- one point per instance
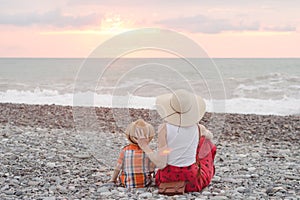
(185, 151)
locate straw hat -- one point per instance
(180, 108)
(140, 124)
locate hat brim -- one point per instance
(130, 132)
(193, 116)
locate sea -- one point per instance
(264, 86)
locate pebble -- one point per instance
(216, 178)
(50, 164)
(49, 198)
(243, 190)
(5, 187)
(106, 194)
(145, 195)
(82, 156)
(33, 183)
(219, 198)
(62, 189)
(103, 189)
(292, 177)
(9, 192)
(19, 193)
(251, 169)
(206, 193)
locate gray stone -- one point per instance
(242, 155)
(52, 188)
(273, 190)
(145, 195)
(10, 192)
(251, 169)
(284, 151)
(255, 155)
(50, 164)
(291, 177)
(106, 194)
(103, 189)
(18, 193)
(82, 156)
(72, 187)
(242, 190)
(255, 176)
(114, 191)
(5, 187)
(244, 176)
(62, 189)
(49, 198)
(216, 179)
(218, 198)
(121, 189)
(141, 190)
(33, 183)
(206, 193)
(232, 180)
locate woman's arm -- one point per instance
(159, 158)
(204, 132)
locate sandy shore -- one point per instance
(57, 152)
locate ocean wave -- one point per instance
(271, 86)
(284, 106)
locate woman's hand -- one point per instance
(143, 141)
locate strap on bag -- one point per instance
(197, 155)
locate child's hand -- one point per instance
(110, 183)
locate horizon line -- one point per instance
(29, 57)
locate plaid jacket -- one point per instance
(136, 168)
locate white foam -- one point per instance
(283, 107)
(286, 106)
(41, 97)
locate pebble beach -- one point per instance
(46, 153)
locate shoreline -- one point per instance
(46, 154)
(115, 120)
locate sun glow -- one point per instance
(110, 25)
(114, 24)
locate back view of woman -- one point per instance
(185, 150)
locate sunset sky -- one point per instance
(73, 28)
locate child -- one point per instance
(134, 169)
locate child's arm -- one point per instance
(114, 176)
(117, 168)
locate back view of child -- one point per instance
(134, 169)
